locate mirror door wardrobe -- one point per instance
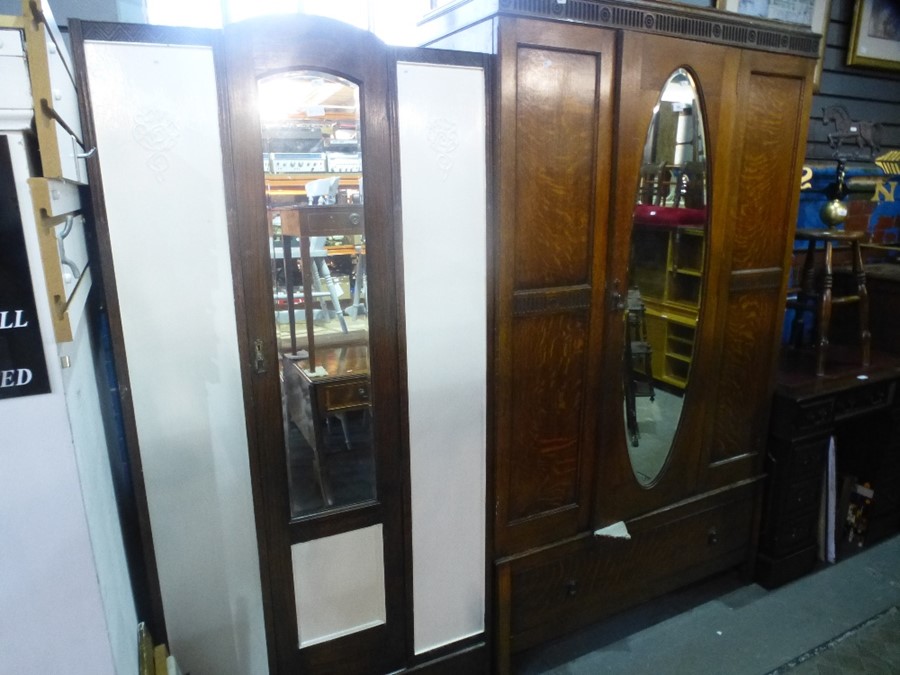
(310, 123)
(251, 258)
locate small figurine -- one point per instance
(858, 513)
(865, 134)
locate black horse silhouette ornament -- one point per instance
(864, 134)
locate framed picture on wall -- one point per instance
(813, 14)
(875, 35)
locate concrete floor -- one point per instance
(725, 627)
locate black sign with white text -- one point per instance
(23, 369)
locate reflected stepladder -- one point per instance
(310, 124)
(668, 245)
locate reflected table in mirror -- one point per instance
(330, 409)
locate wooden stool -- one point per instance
(816, 294)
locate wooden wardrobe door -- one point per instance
(765, 156)
(359, 627)
(554, 147)
(647, 62)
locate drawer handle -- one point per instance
(712, 537)
(363, 392)
(571, 588)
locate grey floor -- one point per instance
(657, 422)
(724, 626)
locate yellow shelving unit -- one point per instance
(668, 271)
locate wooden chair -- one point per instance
(816, 292)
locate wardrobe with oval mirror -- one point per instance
(646, 194)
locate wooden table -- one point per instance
(341, 386)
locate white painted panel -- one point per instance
(16, 90)
(442, 156)
(477, 38)
(56, 197)
(98, 495)
(71, 165)
(339, 584)
(11, 43)
(161, 164)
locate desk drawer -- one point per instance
(566, 586)
(346, 395)
(793, 533)
(801, 497)
(808, 459)
(320, 222)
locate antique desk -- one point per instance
(342, 387)
(861, 409)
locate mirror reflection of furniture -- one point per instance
(329, 378)
(653, 189)
(313, 160)
(668, 247)
(638, 364)
(317, 225)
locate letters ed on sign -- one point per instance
(23, 367)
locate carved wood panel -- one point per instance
(554, 138)
(742, 400)
(766, 181)
(555, 132)
(546, 420)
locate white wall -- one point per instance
(64, 587)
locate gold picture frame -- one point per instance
(875, 35)
(817, 21)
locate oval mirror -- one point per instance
(310, 124)
(665, 283)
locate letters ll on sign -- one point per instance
(23, 368)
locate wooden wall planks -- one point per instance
(868, 94)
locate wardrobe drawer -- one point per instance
(591, 577)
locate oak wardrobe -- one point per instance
(646, 176)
